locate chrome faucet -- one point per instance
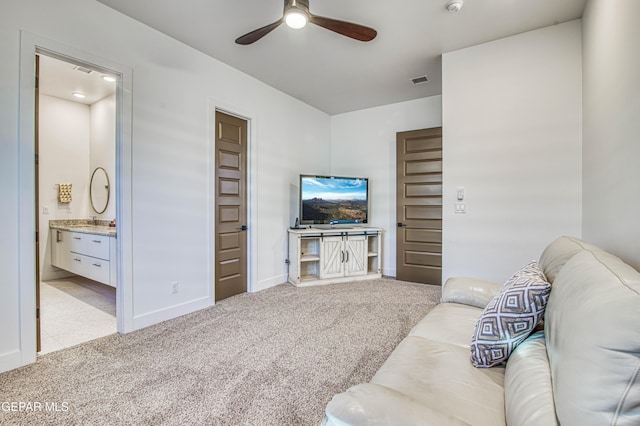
(95, 219)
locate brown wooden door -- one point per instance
(231, 206)
(419, 206)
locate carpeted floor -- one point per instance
(275, 357)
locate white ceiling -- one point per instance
(331, 72)
(61, 79)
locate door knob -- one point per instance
(243, 228)
(400, 224)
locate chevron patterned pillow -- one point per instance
(510, 316)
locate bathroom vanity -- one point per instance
(84, 248)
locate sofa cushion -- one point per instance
(372, 404)
(558, 252)
(510, 317)
(448, 322)
(469, 291)
(528, 395)
(592, 331)
(439, 375)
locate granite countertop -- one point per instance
(85, 226)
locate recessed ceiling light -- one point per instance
(108, 78)
(79, 95)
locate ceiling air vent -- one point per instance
(82, 69)
(419, 80)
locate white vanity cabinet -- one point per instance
(85, 254)
(318, 256)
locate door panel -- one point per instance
(424, 189)
(423, 213)
(419, 206)
(423, 236)
(423, 166)
(332, 258)
(231, 206)
(356, 250)
(422, 258)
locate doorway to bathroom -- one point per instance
(76, 262)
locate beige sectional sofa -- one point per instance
(583, 369)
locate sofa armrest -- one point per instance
(372, 404)
(469, 291)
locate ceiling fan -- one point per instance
(296, 15)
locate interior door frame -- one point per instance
(30, 45)
(36, 176)
(216, 105)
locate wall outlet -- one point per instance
(175, 287)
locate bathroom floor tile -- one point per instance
(49, 344)
(75, 310)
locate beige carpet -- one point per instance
(275, 357)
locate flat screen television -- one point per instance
(333, 200)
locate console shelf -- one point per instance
(325, 256)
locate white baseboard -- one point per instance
(55, 275)
(389, 272)
(12, 360)
(270, 282)
(151, 318)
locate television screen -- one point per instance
(333, 200)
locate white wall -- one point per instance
(102, 152)
(74, 139)
(512, 138)
(363, 144)
(174, 91)
(611, 90)
(63, 158)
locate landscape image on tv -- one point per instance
(332, 199)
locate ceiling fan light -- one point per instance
(296, 19)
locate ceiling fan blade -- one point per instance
(349, 29)
(256, 35)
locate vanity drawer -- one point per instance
(90, 267)
(89, 244)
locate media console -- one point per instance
(325, 256)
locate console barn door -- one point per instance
(419, 206)
(355, 249)
(230, 206)
(332, 257)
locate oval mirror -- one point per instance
(99, 190)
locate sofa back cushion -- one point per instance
(592, 332)
(556, 254)
(528, 395)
